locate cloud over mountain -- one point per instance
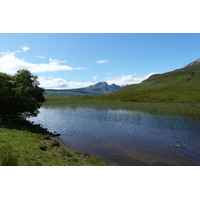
(126, 80)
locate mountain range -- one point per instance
(96, 89)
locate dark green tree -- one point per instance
(6, 95)
(20, 94)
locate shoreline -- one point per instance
(19, 136)
(56, 137)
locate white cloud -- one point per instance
(41, 57)
(52, 60)
(59, 83)
(102, 61)
(126, 80)
(9, 63)
(56, 60)
(95, 77)
(25, 48)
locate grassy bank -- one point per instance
(23, 144)
(187, 109)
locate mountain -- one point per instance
(181, 85)
(104, 87)
(97, 89)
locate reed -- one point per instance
(187, 109)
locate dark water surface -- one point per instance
(124, 137)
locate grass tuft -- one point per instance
(93, 160)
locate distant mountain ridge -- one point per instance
(104, 87)
(96, 89)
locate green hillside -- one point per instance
(181, 85)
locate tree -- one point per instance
(20, 94)
(6, 95)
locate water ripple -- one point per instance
(126, 137)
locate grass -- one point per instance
(8, 157)
(24, 145)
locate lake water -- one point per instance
(122, 137)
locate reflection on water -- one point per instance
(124, 137)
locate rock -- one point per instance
(55, 144)
(47, 137)
(43, 148)
(179, 146)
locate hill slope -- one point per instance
(181, 85)
(97, 89)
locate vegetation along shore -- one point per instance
(25, 144)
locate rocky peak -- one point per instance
(103, 86)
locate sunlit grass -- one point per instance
(19, 146)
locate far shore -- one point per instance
(161, 108)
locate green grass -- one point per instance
(22, 145)
(8, 157)
(182, 85)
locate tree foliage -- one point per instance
(20, 94)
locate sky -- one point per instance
(76, 60)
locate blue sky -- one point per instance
(74, 60)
